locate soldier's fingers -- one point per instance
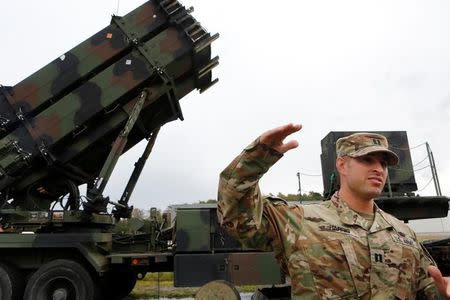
(277, 135)
(435, 273)
(447, 282)
(287, 146)
(288, 129)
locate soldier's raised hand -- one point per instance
(442, 283)
(274, 138)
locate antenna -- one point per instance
(437, 186)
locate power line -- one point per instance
(417, 146)
(408, 170)
(406, 149)
(422, 168)
(421, 161)
(428, 183)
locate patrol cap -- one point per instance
(360, 144)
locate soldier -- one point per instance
(343, 248)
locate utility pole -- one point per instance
(299, 187)
(433, 170)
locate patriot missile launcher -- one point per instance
(57, 125)
(66, 125)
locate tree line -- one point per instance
(310, 196)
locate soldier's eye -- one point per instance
(367, 159)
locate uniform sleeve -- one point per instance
(240, 205)
(426, 287)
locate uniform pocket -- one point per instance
(330, 270)
(404, 256)
(407, 277)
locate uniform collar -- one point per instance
(380, 222)
(351, 217)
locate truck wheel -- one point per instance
(11, 282)
(60, 279)
(217, 289)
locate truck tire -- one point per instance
(11, 282)
(218, 289)
(60, 279)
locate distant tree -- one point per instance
(152, 219)
(138, 213)
(288, 197)
(208, 201)
(155, 214)
(311, 196)
(315, 196)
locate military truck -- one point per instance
(65, 126)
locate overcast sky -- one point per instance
(330, 65)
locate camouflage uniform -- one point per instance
(328, 250)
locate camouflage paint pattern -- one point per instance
(84, 60)
(99, 93)
(57, 127)
(51, 121)
(193, 230)
(91, 244)
(197, 230)
(80, 145)
(328, 250)
(201, 244)
(240, 268)
(363, 143)
(255, 268)
(401, 176)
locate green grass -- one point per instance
(148, 288)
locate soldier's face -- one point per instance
(365, 176)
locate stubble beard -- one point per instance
(366, 191)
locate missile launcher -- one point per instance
(67, 124)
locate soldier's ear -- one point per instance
(340, 164)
